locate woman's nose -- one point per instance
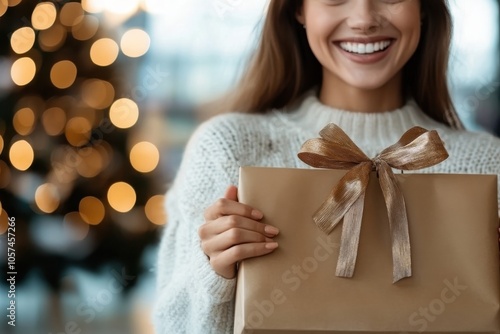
(363, 16)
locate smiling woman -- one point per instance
(343, 35)
(419, 33)
(376, 68)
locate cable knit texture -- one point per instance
(191, 297)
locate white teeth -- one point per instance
(362, 48)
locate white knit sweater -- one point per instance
(191, 297)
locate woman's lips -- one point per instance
(365, 52)
(365, 48)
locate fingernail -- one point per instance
(257, 214)
(271, 245)
(271, 230)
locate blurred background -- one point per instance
(97, 100)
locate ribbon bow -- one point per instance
(418, 148)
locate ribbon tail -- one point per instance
(349, 243)
(398, 223)
(347, 191)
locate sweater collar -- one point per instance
(381, 129)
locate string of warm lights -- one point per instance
(86, 109)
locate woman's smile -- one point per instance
(367, 51)
(365, 48)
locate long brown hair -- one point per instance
(284, 67)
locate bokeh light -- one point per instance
(86, 29)
(54, 121)
(92, 162)
(121, 197)
(104, 52)
(124, 113)
(135, 43)
(75, 226)
(92, 210)
(47, 198)
(44, 15)
(4, 221)
(4, 174)
(71, 14)
(92, 6)
(52, 38)
(144, 157)
(21, 155)
(1, 144)
(22, 40)
(83, 111)
(116, 8)
(98, 94)
(63, 74)
(155, 210)
(3, 7)
(120, 7)
(24, 121)
(78, 131)
(12, 3)
(23, 71)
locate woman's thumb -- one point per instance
(231, 193)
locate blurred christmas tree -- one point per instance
(83, 188)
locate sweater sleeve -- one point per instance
(471, 153)
(486, 159)
(191, 297)
(493, 167)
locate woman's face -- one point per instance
(362, 43)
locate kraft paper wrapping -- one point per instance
(454, 287)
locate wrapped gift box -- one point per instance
(454, 287)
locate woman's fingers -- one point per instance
(232, 232)
(223, 263)
(227, 223)
(225, 207)
(232, 237)
(231, 193)
(229, 205)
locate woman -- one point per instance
(374, 67)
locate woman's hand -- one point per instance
(232, 232)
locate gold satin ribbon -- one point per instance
(418, 148)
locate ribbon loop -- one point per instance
(418, 148)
